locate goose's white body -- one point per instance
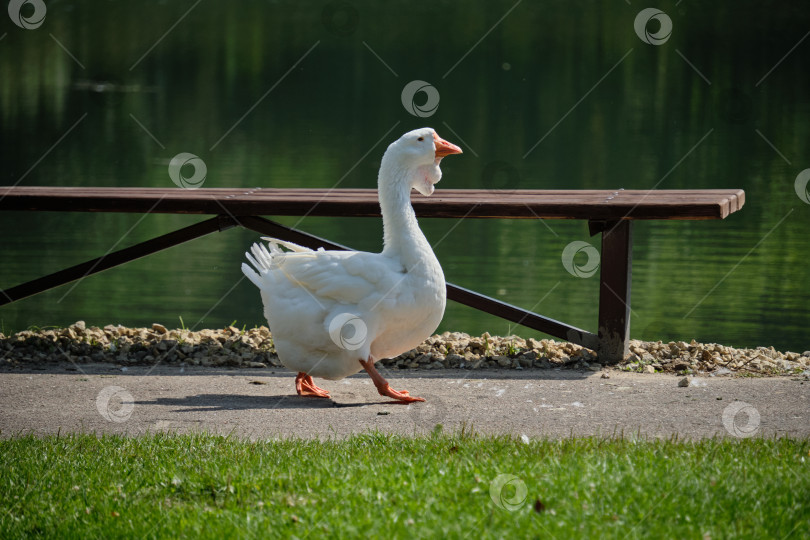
(328, 310)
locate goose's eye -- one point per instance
(420, 139)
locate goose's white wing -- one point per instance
(365, 280)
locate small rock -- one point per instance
(683, 383)
(649, 369)
(79, 325)
(680, 366)
(256, 364)
(503, 361)
(542, 363)
(159, 328)
(605, 376)
(525, 362)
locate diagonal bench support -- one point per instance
(117, 258)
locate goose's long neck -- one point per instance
(401, 234)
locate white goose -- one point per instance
(333, 313)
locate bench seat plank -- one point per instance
(591, 205)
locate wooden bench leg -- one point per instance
(614, 291)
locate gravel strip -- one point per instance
(253, 348)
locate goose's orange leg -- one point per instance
(382, 385)
(305, 386)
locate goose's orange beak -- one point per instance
(444, 148)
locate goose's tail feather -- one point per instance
(275, 242)
(261, 260)
(266, 258)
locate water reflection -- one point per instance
(282, 94)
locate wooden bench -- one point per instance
(611, 213)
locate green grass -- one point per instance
(386, 486)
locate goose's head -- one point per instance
(419, 152)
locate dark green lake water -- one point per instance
(549, 95)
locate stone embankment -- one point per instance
(253, 348)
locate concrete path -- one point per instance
(261, 403)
